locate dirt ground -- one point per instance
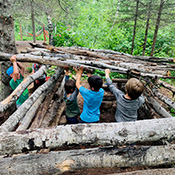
(106, 116)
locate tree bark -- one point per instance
(147, 27)
(157, 26)
(6, 103)
(13, 120)
(165, 99)
(33, 21)
(7, 44)
(88, 134)
(30, 114)
(135, 25)
(62, 161)
(50, 29)
(158, 108)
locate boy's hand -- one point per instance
(66, 68)
(80, 70)
(107, 72)
(13, 58)
(75, 69)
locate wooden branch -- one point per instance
(13, 120)
(167, 86)
(30, 114)
(20, 89)
(45, 106)
(93, 134)
(157, 107)
(62, 161)
(163, 98)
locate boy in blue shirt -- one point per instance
(92, 98)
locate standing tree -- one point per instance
(135, 24)
(7, 44)
(147, 26)
(157, 25)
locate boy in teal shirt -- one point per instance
(92, 98)
(17, 78)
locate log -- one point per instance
(45, 106)
(6, 103)
(167, 86)
(13, 120)
(161, 171)
(158, 108)
(163, 98)
(92, 52)
(62, 161)
(88, 134)
(30, 114)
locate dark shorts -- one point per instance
(72, 120)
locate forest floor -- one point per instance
(106, 116)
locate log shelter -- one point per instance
(44, 144)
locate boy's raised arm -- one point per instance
(107, 72)
(78, 76)
(15, 68)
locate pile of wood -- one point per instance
(36, 128)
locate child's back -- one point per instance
(92, 102)
(129, 103)
(72, 109)
(92, 98)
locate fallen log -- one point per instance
(45, 106)
(163, 98)
(92, 52)
(13, 120)
(88, 134)
(62, 161)
(167, 86)
(11, 99)
(158, 108)
(30, 114)
(161, 171)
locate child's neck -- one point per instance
(68, 95)
(127, 97)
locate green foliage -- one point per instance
(172, 112)
(51, 71)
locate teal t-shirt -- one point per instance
(24, 95)
(92, 103)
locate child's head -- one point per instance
(9, 70)
(69, 86)
(95, 82)
(134, 88)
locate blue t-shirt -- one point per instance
(92, 102)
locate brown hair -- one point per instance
(69, 86)
(134, 88)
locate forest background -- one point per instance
(137, 27)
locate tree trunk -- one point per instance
(135, 24)
(62, 161)
(157, 26)
(30, 114)
(88, 134)
(7, 44)
(33, 21)
(147, 27)
(13, 120)
(50, 29)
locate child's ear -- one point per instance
(72, 90)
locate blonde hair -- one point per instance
(134, 88)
